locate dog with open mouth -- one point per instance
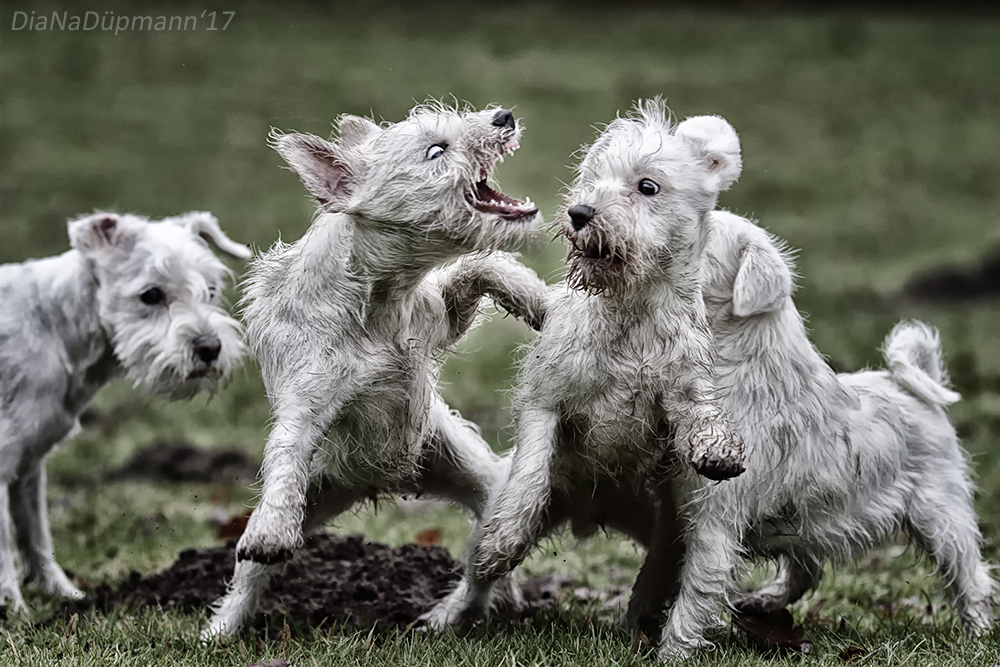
(349, 324)
(618, 395)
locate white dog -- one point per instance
(835, 463)
(622, 370)
(133, 297)
(349, 322)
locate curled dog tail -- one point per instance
(912, 351)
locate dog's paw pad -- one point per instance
(264, 556)
(719, 468)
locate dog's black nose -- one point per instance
(504, 118)
(207, 348)
(580, 215)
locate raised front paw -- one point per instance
(268, 539)
(719, 456)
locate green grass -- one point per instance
(870, 142)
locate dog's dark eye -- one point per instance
(152, 296)
(435, 151)
(648, 187)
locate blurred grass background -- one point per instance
(871, 142)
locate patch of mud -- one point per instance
(180, 461)
(331, 581)
(958, 283)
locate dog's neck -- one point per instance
(68, 303)
(387, 267)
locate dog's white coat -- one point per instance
(70, 323)
(350, 321)
(625, 350)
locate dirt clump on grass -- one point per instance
(331, 581)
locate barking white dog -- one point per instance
(835, 463)
(349, 321)
(133, 297)
(622, 369)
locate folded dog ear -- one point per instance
(763, 282)
(323, 167)
(98, 233)
(206, 225)
(355, 129)
(715, 141)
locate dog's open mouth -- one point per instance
(603, 255)
(485, 199)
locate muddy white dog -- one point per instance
(835, 463)
(348, 324)
(134, 298)
(622, 370)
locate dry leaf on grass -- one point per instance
(234, 528)
(429, 538)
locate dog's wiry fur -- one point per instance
(348, 324)
(621, 373)
(835, 463)
(72, 322)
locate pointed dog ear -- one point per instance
(323, 167)
(764, 280)
(715, 142)
(100, 233)
(355, 130)
(206, 226)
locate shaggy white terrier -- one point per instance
(349, 322)
(621, 374)
(835, 463)
(134, 298)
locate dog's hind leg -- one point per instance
(250, 579)
(659, 577)
(796, 577)
(459, 465)
(942, 521)
(31, 519)
(706, 580)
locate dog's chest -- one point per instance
(379, 433)
(611, 390)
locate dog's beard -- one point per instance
(167, 365)
(597, 266)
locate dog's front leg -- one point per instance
(10, 591)
(516, 515)
(276, 525)
(702, 433)
(512, 286)
(31, 519)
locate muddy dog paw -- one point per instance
(719, 457)
(267, 542)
